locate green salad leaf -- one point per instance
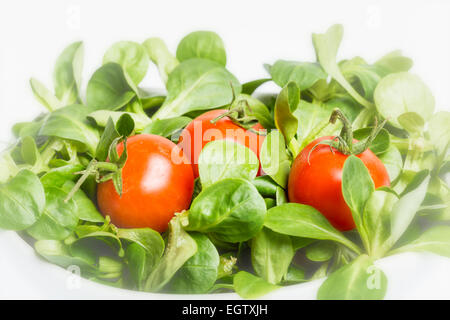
(326, 46)
(249, 286)
(22, 201)
(160, 55)
(358, 280)
(190, 82)
(357, 186)
(109, 88)
(180, 248)
(59, 218)
(275, 160)
(199, 273)
(204, 45)
(167, 127)
(67, 74)
(44, 96)
(300, 220)
(304, 74)
(226, 159)
(70, 123)
(435, 239)
(231, 208)
(286, 103)
(272, 254)
(401, 93)
(133, 59)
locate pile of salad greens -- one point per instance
(240, 233)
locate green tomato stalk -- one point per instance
(104, 171)
(239, 114)
(344, 141)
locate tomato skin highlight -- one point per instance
(154, 186)
(318, 182)
(201, 131)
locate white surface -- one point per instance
(23, 275)
(32, 34)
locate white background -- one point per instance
(33, 33)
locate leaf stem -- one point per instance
(91, 169)
(137, 108)
(108, 166)
(351, 245)
(343, 82)
(294, 147)
(223, 115)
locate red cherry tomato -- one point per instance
(157, 182)
(318, 182)
(201, 131)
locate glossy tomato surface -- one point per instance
(157, 182)
(318, 182)
(201, 131)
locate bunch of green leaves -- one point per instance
(49, 174)
(240, 233)
(416, 160)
